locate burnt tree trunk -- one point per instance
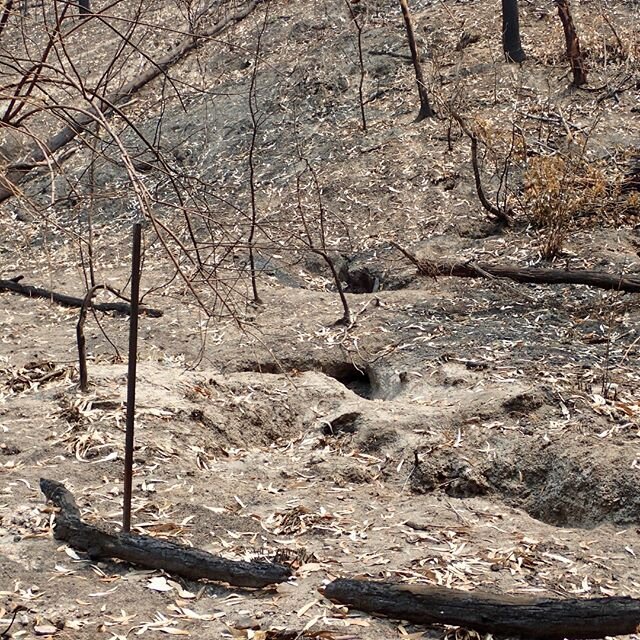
(6, 12)
(511, 32)
(84, 6)
(574, 54)
(425, 107)
(80, 339)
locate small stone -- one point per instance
(45, 629)
(246, 622)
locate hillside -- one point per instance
(474, 433)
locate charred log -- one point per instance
(489, 613)
(151, 552)
(511, 32)
(13, 285)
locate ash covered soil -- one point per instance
(476, 434)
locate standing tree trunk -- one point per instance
(85, 6)
(6, 12)
(425, 108)
(359, 29)
(574, 54)
(511, 32)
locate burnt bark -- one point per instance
(489, 613)
(511, 32)
(153, 553)
(64, 300)
(598, 279)
(80, 339)
(425, 106)
(578, 67)
(6, 12)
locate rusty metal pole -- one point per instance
(131, 376)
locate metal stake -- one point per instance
(131, 376)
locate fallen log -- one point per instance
(599, 279)
(534, 275)
(490, 613)
(30, 291)
(15, 176)
(153, 553)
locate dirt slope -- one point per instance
(473, 434)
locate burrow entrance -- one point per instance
(356, 378)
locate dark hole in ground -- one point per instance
(368, 273)
(344, 423)
(355, 378)
(361, 279)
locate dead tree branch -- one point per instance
(322, 251)
(255, 128)
(363, 72)
(502, 215)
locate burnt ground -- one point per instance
(476, 434)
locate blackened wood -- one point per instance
(425, 106)
(599, 279)
(80, 339)
(71, 301)
(574, 54)
(490, 613)
(136, 251)
(6, 12)
(153, 553)
(511, 32)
